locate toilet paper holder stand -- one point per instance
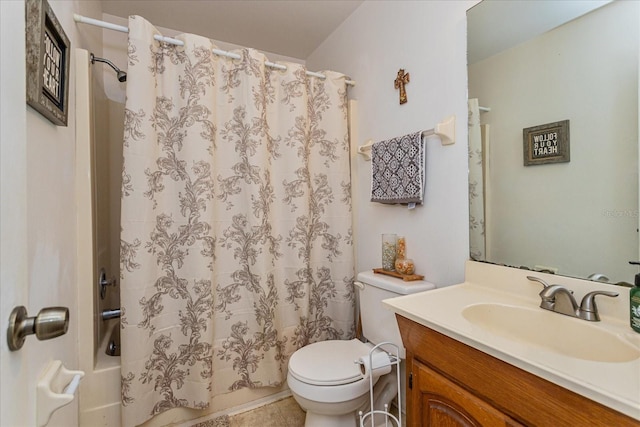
(394, 360)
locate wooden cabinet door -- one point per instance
(438, 402)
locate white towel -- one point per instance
(397, 170)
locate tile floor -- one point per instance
(283, 413)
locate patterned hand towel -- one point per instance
(397, 170)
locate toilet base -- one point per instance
(341, 414)
(345, 414)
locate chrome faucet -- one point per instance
(110, 314)
(559, 299)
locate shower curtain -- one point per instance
(236, 241)
(477, 164)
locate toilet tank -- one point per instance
(378, 322)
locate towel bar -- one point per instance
(446, 130)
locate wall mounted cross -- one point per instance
(400, 82)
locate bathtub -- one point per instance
(100, 388)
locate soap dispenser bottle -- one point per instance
(634, 301)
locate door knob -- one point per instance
(50, 322)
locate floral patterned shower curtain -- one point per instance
(236, 243)
(477, 172)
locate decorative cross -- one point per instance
(399, 83)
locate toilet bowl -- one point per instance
(324, 377)
(326, 381)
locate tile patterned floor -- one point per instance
(222, 421)
(283, 413)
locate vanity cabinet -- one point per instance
(452, 384)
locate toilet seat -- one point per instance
(326, 371)
(328, 363)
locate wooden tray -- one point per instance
(405, 277)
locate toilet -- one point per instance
(324, 378)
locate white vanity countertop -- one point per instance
(614, 384)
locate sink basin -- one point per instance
(551, 331)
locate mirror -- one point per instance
(577, 62)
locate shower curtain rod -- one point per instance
(109, 26)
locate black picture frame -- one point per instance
(47, 62)
(548, 143)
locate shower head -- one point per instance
(122, 76)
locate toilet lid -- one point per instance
(328, 362)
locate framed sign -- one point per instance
(47, 53)
(547, 143)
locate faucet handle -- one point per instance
(539, 280)
(548, 290)
(588, 308)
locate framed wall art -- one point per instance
(47, 56)
(548, 143)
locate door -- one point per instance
(16, 403)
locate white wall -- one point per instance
(581, 216)
(428, 40)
